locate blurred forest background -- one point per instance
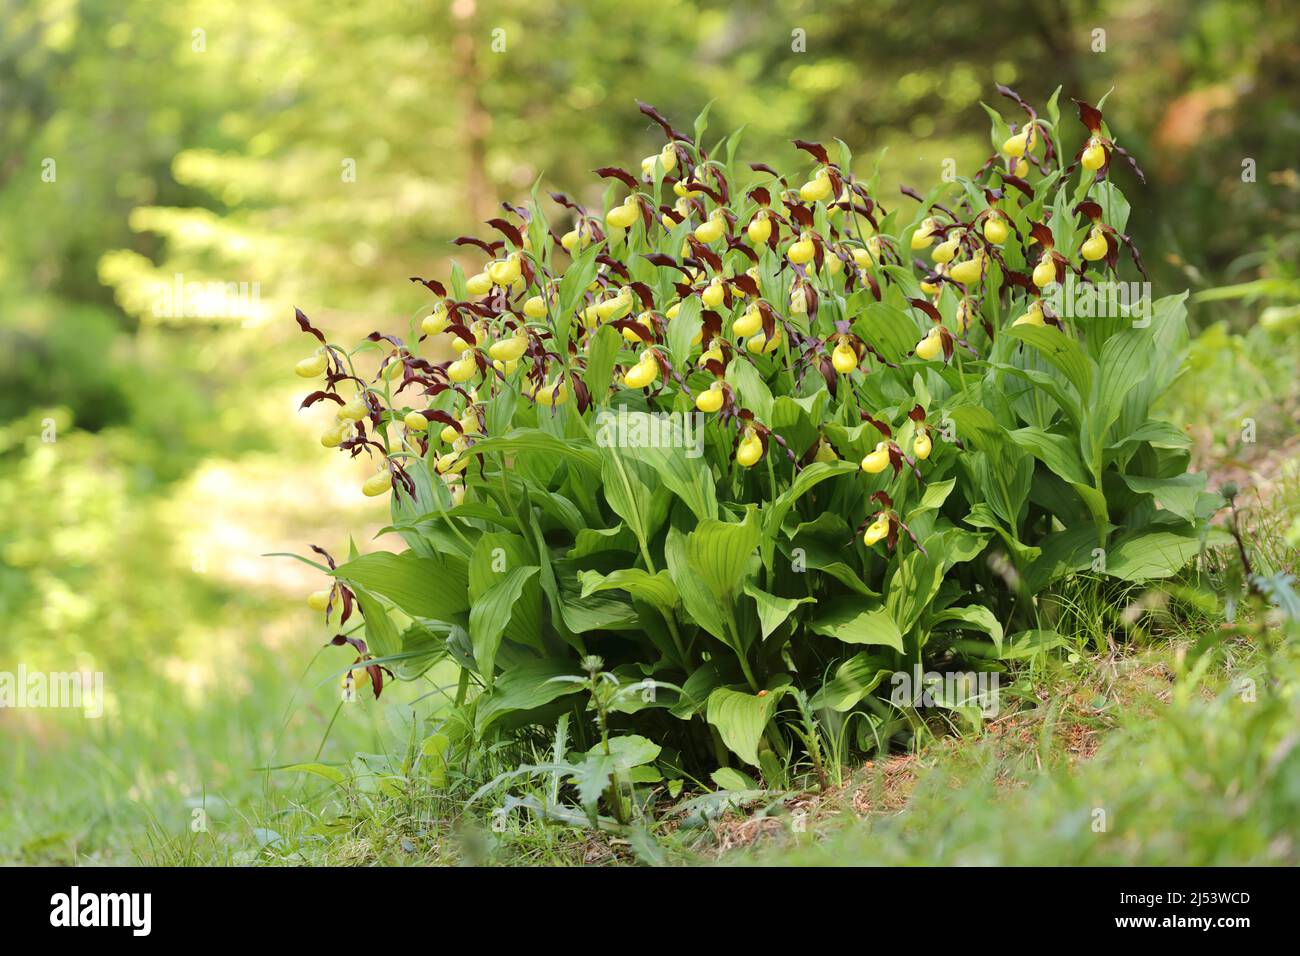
(320, 152)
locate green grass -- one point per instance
(124, 788)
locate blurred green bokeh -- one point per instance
(318, 153)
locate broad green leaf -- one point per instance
(673, 447)
(719, 552)
(523, 441)
(572, 286)
(1095, 502)
(750, 387)
(490, 615)
(433, 754)
(889, 329)
(595, 540)
(558, 508)
(729, 778)
(635, 492)
(935, 494)
(1063, 552)
(977, 427)
(682, 329)
(496, 554)
(854, 679)
(982, 516)
(382, 639)
(1053, 387)
(629, 751)
(1125, 361)
(956, 545)
(433, 588)
(499, 410)
(773, 610)
(655, 589)
(1031, 643)
(422, 647)
(796, 420)
(1141, 556)
(525, 687)
(1062, 352)
(1057, 452)
(774, 514)
(911, 589)
(740, 718)
(1158, 434)
(973, 616)
(848, 619)
(598, 611)
(695, 692)
(819, 557)
(700, 605)
(602, 351)
(1177, 495)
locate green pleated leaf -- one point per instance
(655, 589)
(1158, 434)
(935, 494)
(635, 491)
(700, 604)
(719, 552)
(1126, 359)
(1031, 643)
(1177, 495)
(912, 587)
(851, 621)
(1154, 554)
(750, 387)
(496, 554)
(1070, 403)
(1061, 352)
(774, 514)
(854, 679)
(382, 639)
(673, 447)
(522, 441)
(491, 614)
(573, 286)
(1063, 553)
(740, 718)
(433, 588)
(602, 352)
(889, 329)
(1058, 453)
(975, 617)
(525, 687)
(773, 610)
(682, 329)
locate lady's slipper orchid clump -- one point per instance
(697, 429)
